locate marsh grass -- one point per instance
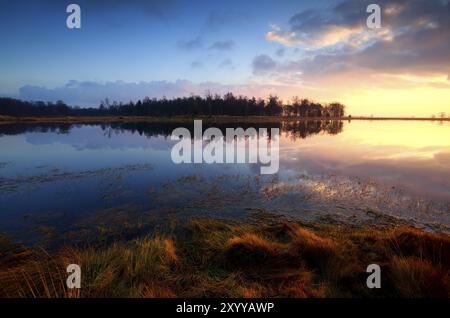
(213, 258)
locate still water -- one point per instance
(57, 180)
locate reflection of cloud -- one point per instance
(419, 176)
(402, 166)
(93, 137)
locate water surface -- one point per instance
(59, 179)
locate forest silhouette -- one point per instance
(210, 105)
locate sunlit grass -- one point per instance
(211, 258)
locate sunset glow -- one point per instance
(320, 50)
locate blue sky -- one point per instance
(135, 41)
(319, 49)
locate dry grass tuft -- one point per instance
(413, 277)
(212, 258)
(252, 250)
(409, 241)
(316, 251)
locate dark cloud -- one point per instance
(352, 13)
(263, 64)
(414, 38)
(192, 44)
(222, 45)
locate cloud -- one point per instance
(414, 42)
(263, 64)
(222, 45)
(193, 44)
(227, 63)
(280, 52)
(285, 73)
(196, 64)
(327, 34)
(90, 93)
(219, 19)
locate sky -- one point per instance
(320, 49)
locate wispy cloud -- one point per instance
(196, 64)
(227, 63)
(220, 19)
(192, 44)
(262, 64)
(222, 45)
(280, 52)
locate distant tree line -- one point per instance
(228, 105)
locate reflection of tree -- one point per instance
(294, 129)
(303, 129)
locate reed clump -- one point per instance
(214, 258)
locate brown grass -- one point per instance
(414, 242)
(211, 258)
(414, 277)
(250, 250)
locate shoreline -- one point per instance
(223, 119)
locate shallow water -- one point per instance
(56, 179)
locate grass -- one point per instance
(213, 258)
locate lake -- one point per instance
(59, 182)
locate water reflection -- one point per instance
(295, 129)
(58, 176)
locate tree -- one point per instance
(193, 105)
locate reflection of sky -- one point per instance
(405, 152)
(411, 156)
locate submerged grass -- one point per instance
(212, 258)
